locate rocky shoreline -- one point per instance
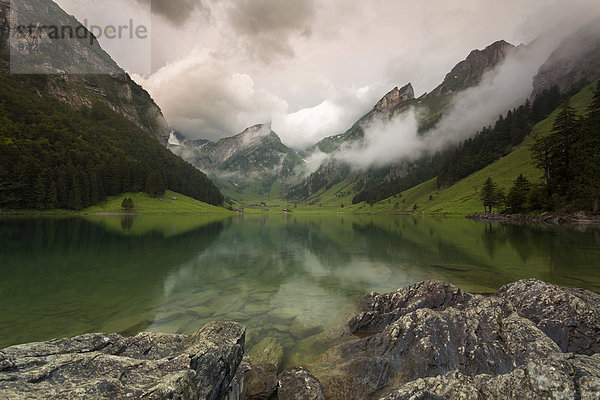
(430, 340)
(557, 218)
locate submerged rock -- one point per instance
(148, 365)
(301, 328)
(267, 351)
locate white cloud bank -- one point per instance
(313, 68)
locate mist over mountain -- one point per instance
(400, 129)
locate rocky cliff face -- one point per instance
(77, 73)
(469, 72)
(465, 74)
(576, 60)
(395, 99)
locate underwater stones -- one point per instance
(148, 365)
(302, 328)
(381, 272)
(256, 308)
(201, 312)
(205, 296)
(267, 351)
(281, 316)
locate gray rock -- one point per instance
(571, 317)
(376, 311)
(236, 387)
(470, 334)
(149, 365)
(557, 377)
(260, 383)
(299, 384)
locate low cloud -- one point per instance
(279, 53)
(202, 97)
(307, 126)
(506, 87)
(175, 11)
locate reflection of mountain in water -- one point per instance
(66, 276)
(287, 278)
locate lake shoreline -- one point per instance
(557, 218)
(427, 339)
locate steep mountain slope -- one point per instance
(430, 106)
(252, 165)
(576, 61)
(68, 141)
(462, 198)
(395, 101)
(79, 73)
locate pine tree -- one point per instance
(491, 195)
(127, 204)
(155, 184)
(517, 195)
(564, 133)
(587, 155)
(488, 194)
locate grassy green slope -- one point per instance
(144, 204)
(462, 198)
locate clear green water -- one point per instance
(276, 274)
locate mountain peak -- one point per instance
(256, 132)
(468, 72)
(394, 98)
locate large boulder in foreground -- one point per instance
(558, 377)
(570, 317)
(149, 366)
(437, 341)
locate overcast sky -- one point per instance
(311, 67)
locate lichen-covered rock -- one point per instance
(376, 311)
(571, 317)
(236, 387)
(428, 330)
(557, 377)
(299, 384)
(148, 365)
